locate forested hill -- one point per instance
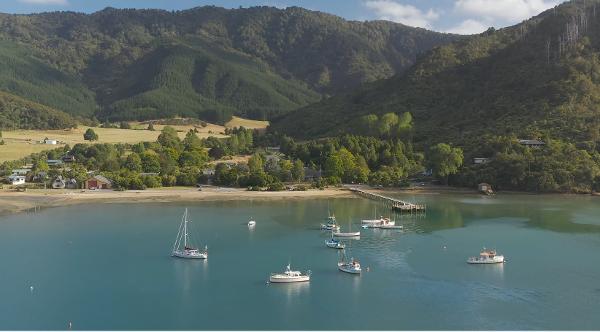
(538, 79)
(208, 62)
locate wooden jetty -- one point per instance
(394, 203)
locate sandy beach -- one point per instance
(13, 202)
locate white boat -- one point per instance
(289, 276)
(331, 224)
(346, 234)
(352, 266)
(187, 251)
(372, 221)
(334, 243)
(350, 233)
(487, 257)
(251, 223)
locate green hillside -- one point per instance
(18, 113)
(24, 74)
(536, 79)
(210, 62)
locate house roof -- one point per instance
(101, 179)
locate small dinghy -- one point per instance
(350, 233)
(289, 276)
(188, 251)
(251, 223)
(487, 257)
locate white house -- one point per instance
(480, 160)
(21, 171)
(50, 141)
(16, 179)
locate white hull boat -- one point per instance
(251, 223)
(289, 276)
(346, 234)
(187, 251)
(487, 257)
(391, 227)
(335, 244)
(352, 266)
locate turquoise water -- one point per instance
(108, 266)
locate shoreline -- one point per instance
(12, 202)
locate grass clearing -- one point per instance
(21, 143)
(246, 123)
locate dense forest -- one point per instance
(537, 80)
(206, 62)
(16, 112)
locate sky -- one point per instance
(456, 16)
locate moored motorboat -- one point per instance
(251, 223)
(487, 257)
(289, 276)
(188, 251)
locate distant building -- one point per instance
(311, 174)
(50, 141)
(71, 184)
(533, 143)
(98, 182)
(21, 171)
(485, 188)
(478, 161)
(68, 159)
(16, 179)
(54, 162)
(273, 149)
(59, 183)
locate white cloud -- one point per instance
(406, 14)
(46, 2)
(510, 11)
(469, 27)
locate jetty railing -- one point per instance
(393, 203)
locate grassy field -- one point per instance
(246, 123)
(21, 143)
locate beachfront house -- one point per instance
(59, 183)
(16, 180)
(98, 182)
(311, 174)
(71, 184)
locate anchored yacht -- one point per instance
(487, 257)
(289, 276)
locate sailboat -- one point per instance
(335, 243)
(352, 266)
(188, 251)
(350, 233)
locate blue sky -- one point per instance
(458, 16)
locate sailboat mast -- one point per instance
(185, 229)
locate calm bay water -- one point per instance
(108, 266)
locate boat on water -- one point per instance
(351, 266)
(289, 276)
(375, 221)
(335, 243)
(487, 257)
(182, 248)
(251, 223)
(331, 224)
(350, 233)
